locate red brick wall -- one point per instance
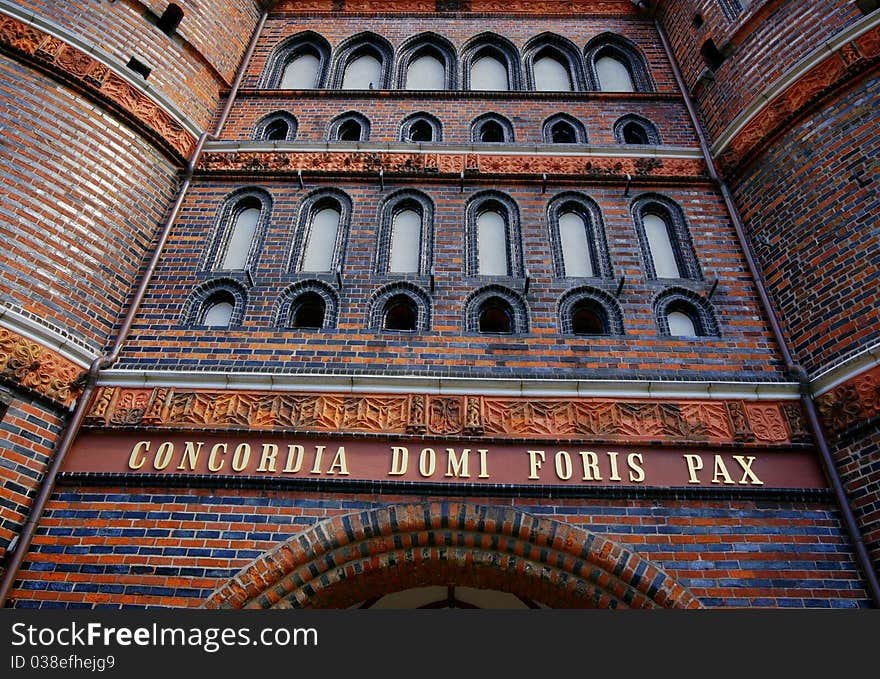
(765, 47)
(82, 196)
(27, 440)
(190, 70)
(117, 547)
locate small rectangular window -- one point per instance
(139, 67)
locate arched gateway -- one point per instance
(354, 558)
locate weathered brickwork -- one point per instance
(81, 198)
(126, 547)
(761, 51)
(191, 69)
(816, 241)
(93, 170)
(165, 339)
(28, 433)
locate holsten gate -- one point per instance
(439, 304)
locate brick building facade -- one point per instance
(334, 303)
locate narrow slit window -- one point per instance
(661, 246)
(406, 242)
(321, 241)
(575, 244)
(241, 239)
(492, 244)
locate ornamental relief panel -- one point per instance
(449, 415)
(851, 404)
(74, 65)
(835, 71)
(613, 7)
(26, 364)
(277, 162)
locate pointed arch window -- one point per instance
(564, 129)
(634, 129)
(298, 63)
(302, 71)
(426, 72)
(616, 65)
(321, 234)
(489, 73)
(493, 236)
(321, 239)
(350, 127)
(492, 244)
(363, 73)
(492, 129)
(421, 128)
(551, 75)
(660, 245)
(279, 126)
(491, 63)
(363, 63)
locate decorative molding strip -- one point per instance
(410, 384)
(600, 420)
(28, 365)
(96, 79)
(449, 164)
(783, 104)
(508, 7)
(71, 348)
(845, 371)
(851, 405)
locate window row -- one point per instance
(493, 310)
(492, 240)
(560, 128)
(487, 62)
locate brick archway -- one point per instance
(351, 558)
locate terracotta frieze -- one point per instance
(95, 79)
(852, 404)
(715, 422)
(537, 7)
(832, 73)
(438, 164)
(26, 364)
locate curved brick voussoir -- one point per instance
(339, 561)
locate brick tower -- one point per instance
(341, 303)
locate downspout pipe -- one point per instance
(796, 371)
(90, 378)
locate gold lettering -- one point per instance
(563, 465)
(746, 464)
(535, 463)
(140, 448)
(695, 464)
(720, 470)
(339, 463)
(163, 455)
(636, 472)
(241, 457)
(590, 462)
(316, 468)
(294, 459)
(484, 465)
(267, 460)
(399, 460)
(457, 466)
(190, 455)
(612, 458)
(218, 448)
(427, 462)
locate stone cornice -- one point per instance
(97, 77)
(620, 421)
